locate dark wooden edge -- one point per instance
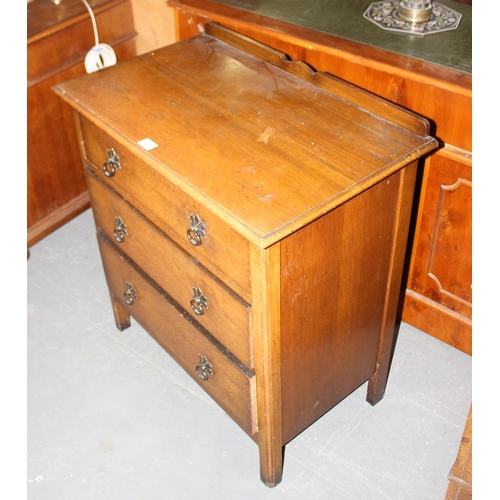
(362, 98)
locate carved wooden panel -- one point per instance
(442, 266)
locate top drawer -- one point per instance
(221, 249)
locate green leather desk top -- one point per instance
(344, 18)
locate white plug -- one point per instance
(100, 56)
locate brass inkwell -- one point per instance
(417, 17)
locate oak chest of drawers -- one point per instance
(252, 216)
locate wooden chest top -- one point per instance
(267, 144)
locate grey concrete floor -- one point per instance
(112, 416)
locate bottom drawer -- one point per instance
(230, 384)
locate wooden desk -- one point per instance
(59, 37)
(439, 285)
(252, 216)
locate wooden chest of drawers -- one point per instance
(252, 215)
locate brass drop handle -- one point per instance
(120, 230)
(204, 369)
(130, 294)
(111, 164)
(196, 231)
(199, 302)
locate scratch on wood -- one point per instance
(289, 268)
(296, 296)
(249, 170)
(268, 198)
(264, 137)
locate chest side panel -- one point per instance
(333, 287)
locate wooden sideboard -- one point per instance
(59, 37)
(438, 297)
(253, 217)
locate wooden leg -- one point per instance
(378, 382)
(122, 317)
(271, 463)
(267, 346)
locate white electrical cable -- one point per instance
(92, 18)
(101, 55)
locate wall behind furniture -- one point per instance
(154, 23)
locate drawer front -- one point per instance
(230, 384)
(222, 250)
(223, 313)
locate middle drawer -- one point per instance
(215, 370)
(221, 311)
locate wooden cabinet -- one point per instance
(439, 295)
(438, 298)
(59, 37)
(252, 216)
(460, 476)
